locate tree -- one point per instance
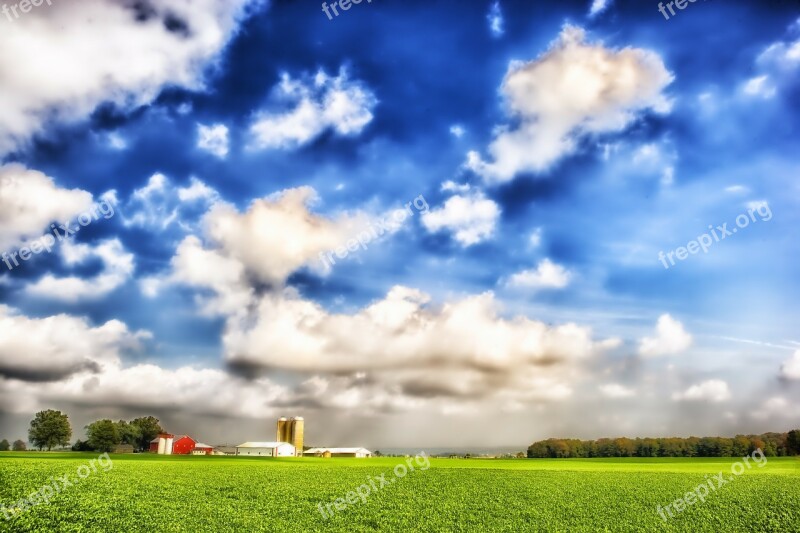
(19, 446)
(81, 446)
(4, 445)
(102, 435)
(793, 442)
(49, 429)
(128, 433)
(148, 427)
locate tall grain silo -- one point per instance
(298, 429)
(283, 430)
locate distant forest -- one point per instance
(771, 444)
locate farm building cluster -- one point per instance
(288, 443)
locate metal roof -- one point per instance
(263, 444)
(337, 450)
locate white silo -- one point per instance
(162, 444)
(168, 450)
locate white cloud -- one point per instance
(615, 390)
(116, 141)
(457, 131)
(470, 218)
(159, 204)
(791, 368)
(547, 275)
(496, 21)
(213, 139)
(598, 6)
(276, 236)
(777, 67)
(41, 349)
(776, 407)
(126, 59)
(572, 90)
(452, 186)
(30, 201)
(712, 390)
(671, 338)
(759, 86)
(118, 266)
(536, 238)
(460, 349)
(314, 106)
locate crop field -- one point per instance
(205, 494)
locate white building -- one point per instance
(338, 452)
(265, 449)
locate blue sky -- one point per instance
(553, 152)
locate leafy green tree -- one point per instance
(19, 446)
(741, 446)
(81, 446)
(148, 427)
(128, 433)
(793, 442)
(102, 435)
(49, 429)
(4, 445)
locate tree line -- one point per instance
(51, 429)
(771, 444)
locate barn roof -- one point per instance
(338, 450)
(263, 444)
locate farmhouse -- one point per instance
(338, 452)
(266, 449)
(202, 449)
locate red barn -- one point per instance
(166, 444)
(183, 445)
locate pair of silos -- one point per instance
(165, 444)
(291, 430)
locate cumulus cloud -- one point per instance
(495, 19)
(457, 131)
(791, 368)
(671, 338)
(471, 218)
(547, 275)
(273, 238)
(759, 86)
(460, 349)
(776, 65)
(160, 204)
(118, 266)
(776, 407)
(306, 108)
(598, 6)
(213, 139)
(572, 90)
(30, 201)
(139, 48)
(712, 390)
(51, 348)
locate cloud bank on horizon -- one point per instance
(557, 154)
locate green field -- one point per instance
(204, 494)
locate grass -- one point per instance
(177, 494)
